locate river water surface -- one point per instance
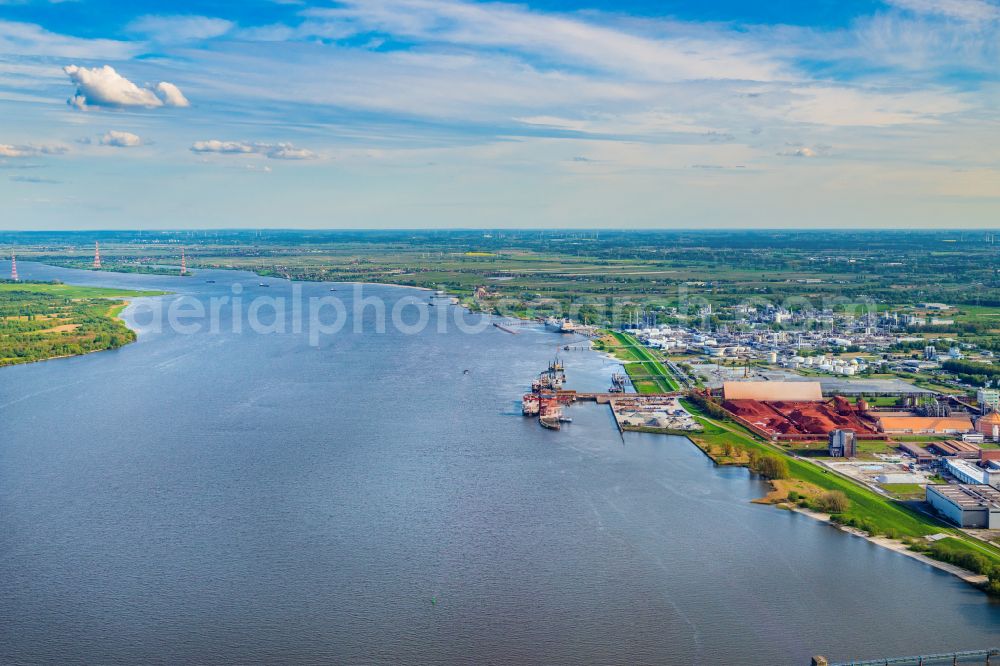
(238, 498)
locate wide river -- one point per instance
(248, 498)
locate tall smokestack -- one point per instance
(13, 267)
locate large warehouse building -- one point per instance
(967, 506)
(906, 424)
(772, 391)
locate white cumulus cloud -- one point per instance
(30, 150)
(216, 146)
(120, 139)
(105, 87)
(274, 151)
(171, 95)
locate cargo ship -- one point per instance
(560, 325)
(618, 383)
(550, 412)
(544, 400)
(556, 373)
(552, 379)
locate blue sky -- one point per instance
(453, 113)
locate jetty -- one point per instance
(644, 412)
(963, 657)
(568, 396)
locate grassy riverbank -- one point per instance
(874, 514)
(44, 320)
(645, 370)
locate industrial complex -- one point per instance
(938, 450)
(799, 410)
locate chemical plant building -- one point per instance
(989, 426)
(957, 449)
(988, 399)
(969, 473)
(843, 444)
(922, 455)
(976, 506)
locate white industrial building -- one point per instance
(988, 399)
(970, 473)
(966, 506)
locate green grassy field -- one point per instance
(648, 374)
(872, 446)
(645, 381)
(74, 291)
(904, 490)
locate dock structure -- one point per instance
(548, 398)
(605, 398)
(963, 657)
(643, 412)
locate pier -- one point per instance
(644, 412)
(606, 398)
(963, 657)
(647, 412)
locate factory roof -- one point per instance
(991, 419)
(841, 386)
(926, 423)
(914, 450)
(954, 446)
(772, 391)
(968, 496)
(958, 466)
